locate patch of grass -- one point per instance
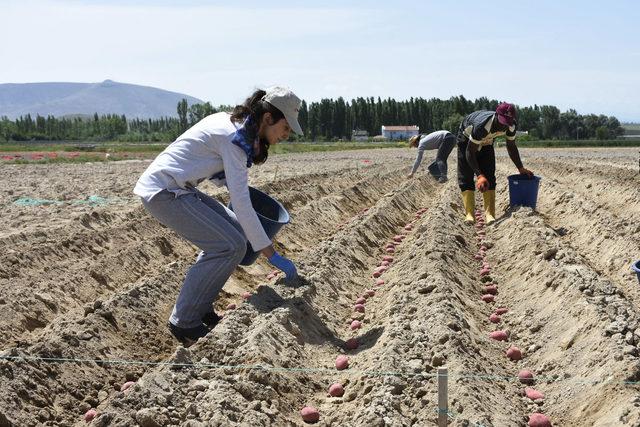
(306, 147)
(79, 159)
(90, 147)
(580, 143)
(116, 150)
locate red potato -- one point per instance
(355, 325)
(387, 258)
(501, 310)
(408, 227)
(377, 273)
(361, 300)
(231, 306)
(126, 385)
(494, 318)
(484, 272)
(336, 390)
(379, 282)
(514, 353)
(488, 298)
(539, 420)
(525, 376)
(246, 295)
(351, 344)
(390, 250)
(491, 289)
(342, 362)
(370, 292)
(483, 248)
(477, 257)
(309, 414)
(382, 268)
(499, 335)
(90, 415)
(384, 263)
(533, 394)
(359, 308)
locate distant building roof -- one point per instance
(401, 128)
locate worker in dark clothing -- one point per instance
(476, 156)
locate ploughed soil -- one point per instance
(88, 279)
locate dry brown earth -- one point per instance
(87, 283)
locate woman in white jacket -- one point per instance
(222, 147)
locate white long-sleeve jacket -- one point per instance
(202, 151)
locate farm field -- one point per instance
(88, 279)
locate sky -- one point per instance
(583, 55)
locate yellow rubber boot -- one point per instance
(489, 198)
(469, 202)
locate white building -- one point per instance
(399, 132)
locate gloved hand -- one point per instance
(283, 264)
(482, 183)
(525, 171)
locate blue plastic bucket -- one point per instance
(523, 190)
(636, 267)
(434, 170)
(272, 215)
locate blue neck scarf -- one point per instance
(241, 139)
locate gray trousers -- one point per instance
(437, 168)
(214, 229)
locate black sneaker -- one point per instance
(211, 319)
(188, 336)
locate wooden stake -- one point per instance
(443, 400)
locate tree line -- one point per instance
(326, 120)
(331, 119)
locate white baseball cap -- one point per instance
(287, 102)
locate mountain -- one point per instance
(107, 97)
